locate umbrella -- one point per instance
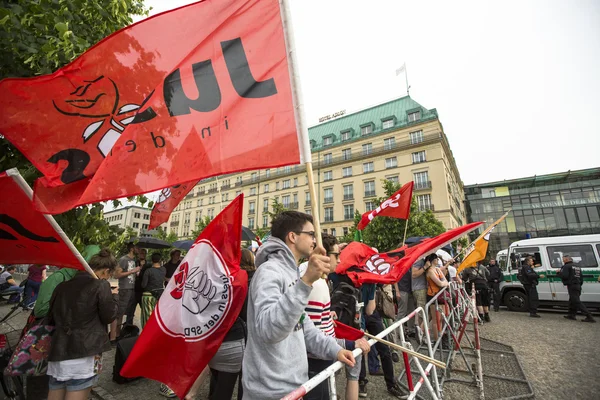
(183, 244)
(150, 243)
(247, 234)
(443, 255)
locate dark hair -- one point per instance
(103, 260)
(247, 260)
(156, 257)
(328, 241)
(11, 268)
(289, 221)
(431, 257)
(130, 246)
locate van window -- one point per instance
(582, 254)
(518, 255)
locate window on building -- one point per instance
(424, 202)
(265, 221)
(145, 227)
(307, 198)
(265, 205)
(266, 188)
(368, 167)
(295, 182)
(285, 201)
(251, 222)
(348, 211)
(287, 169)
(328, 214)
(348, 192)
(146, 216)
(238, 192)
(199, 203)
(186, 218)
(582, 254)
(418, 157)
(345, 230)
(211, 213)
(276, 185)
(328, 195)
(295, 198)
(369, 205)
(136, 225)
(370, 189)
(332, 231)
(421, 180)
(327, 158)
(367, 149)
(286, 184)
(416, 137)
(327, 141)
(267, 173)
(387, 124)
(365, 130)
(136, 215)
(346, 154)
(252, 207)
(346, 172)
(389, 143)
(345, 136)
(391, 162)
(252, 191)
(254, 177)
(198, 216)
(327, 175)
(414, 116)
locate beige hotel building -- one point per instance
(399, 140)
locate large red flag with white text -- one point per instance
(397, 206)
(26, 236)
(194, 92)
(198, 307)
(362, 264)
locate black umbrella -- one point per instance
(183, 244)
(150, 243)
(247, 234)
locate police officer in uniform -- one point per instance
(530, 281)
(496, 276)
(572, 278)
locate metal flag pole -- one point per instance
(14, 173)
(406, 77)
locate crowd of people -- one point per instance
(284, 334)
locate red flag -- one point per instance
(194, 92)
(26, 236)
(168, 199)
(343, 331)
(362, 264)
(397, 206)
(197, 309)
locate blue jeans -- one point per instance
(31, 292)
(15, 291)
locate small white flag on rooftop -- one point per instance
(401, 69)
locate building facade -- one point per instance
(136, 217)
(399, 140)
(562, 204)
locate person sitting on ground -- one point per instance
(9, 286)
(279, 333)
(80, 310)
(152, 287)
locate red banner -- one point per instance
(362, 264)
(26, 236)
(198, 307)
(198, 91)
(397, 206)
(168, 199)
(343, 331)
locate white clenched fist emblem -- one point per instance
(378, 265)
(199, 291)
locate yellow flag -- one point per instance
(478, 251)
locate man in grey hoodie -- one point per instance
(279, 333)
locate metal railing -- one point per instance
(328, 200)
(370, 193)
(349, 197)
(422, 185)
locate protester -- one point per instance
(9, 286)
(572, 278)
(453, 276)
(80, 309)
(319, 311)
(152, 287)
(143, 263)
(405, 301)
(496, 276)
(172, 264)
(479, 275)
(279, 333)
(529, 278)
(436, 281)
(125, 273)
(226, 364)
(419, 290)
(36, 275)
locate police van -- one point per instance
(547, 253)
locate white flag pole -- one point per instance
(303, 141)
(16, 176)
(406, 77)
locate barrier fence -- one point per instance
(454, 310)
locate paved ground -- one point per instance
(559, 357)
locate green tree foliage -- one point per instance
(203, 223)
(38, 37)
(167, 237)
(385, 233)
(276, 209)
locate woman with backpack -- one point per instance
(479, 275)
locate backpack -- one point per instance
(385, 302)
(521, 277)
(124, 347)
(345, 301)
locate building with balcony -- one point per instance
(136, 217)
(562, 204)
(399, 140)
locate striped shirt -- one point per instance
(319, 305)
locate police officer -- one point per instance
(530, 281)
(496, 276)
(572, 278)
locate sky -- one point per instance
(516, 83)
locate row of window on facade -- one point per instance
(367, 149)
(136, 225)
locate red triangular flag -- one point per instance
(343, 331)
(397, 206)
(168, 199)
(197, 308)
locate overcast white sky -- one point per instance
(516, 83)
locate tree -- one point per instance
(386, 233)
(203, 223)
(38, 37)
(277, 208)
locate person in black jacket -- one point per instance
(530, 281)
(572, 278)
(496, 276)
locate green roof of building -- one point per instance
(397, 109)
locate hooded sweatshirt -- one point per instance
(279, 334)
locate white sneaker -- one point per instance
(166, 391)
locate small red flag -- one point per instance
(343, 331)
(198, 307)
(362, 264)
(168, 199)
(26, 236)
(397, 206)
(191, 93)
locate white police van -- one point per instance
(547, 253)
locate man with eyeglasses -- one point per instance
(279, 333)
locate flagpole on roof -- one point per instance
(302, 128)
(16, 176)
(406, 77)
